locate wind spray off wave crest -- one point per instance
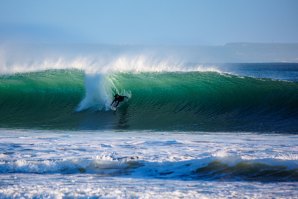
(28, 58)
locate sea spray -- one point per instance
(98, 92)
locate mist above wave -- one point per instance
(28, 57)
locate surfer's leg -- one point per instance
(112, 102)
(117, 103)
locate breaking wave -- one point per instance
(211, 168)
(198, 100)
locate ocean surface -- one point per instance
(193, 131)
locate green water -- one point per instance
(201, 101)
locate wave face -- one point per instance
(41, 99)
(189, 101)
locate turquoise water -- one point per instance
(187, 101)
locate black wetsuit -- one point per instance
(118, 99)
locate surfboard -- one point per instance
(113, 108)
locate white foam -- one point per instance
(152, 153)
(113, 166)
(98, 92)
(136, 164)
(78, 186)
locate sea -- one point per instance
(190, 131)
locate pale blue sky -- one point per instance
(151, 22)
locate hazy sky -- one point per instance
(152, 22)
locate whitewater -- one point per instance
(187, 130)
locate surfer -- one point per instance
(117, 100)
